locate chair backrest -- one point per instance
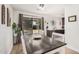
(23, 44)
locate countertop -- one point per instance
(44, 47)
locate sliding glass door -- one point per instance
(32, 24)
(27, 25)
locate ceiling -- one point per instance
(49, 9)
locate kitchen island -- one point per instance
(44, 47)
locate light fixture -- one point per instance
(41, 7)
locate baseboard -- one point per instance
(9, 52)
(72, 48)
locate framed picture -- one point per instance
(3, 14)
(72, 18)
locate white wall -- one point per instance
(47, 19)
(72, 28)
(16, 16)
(6, 40)
(58, 22)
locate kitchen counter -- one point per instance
(58, 34)
(55, 32)
(44, 47)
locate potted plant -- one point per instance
(16, 31)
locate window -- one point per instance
(3, 14)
